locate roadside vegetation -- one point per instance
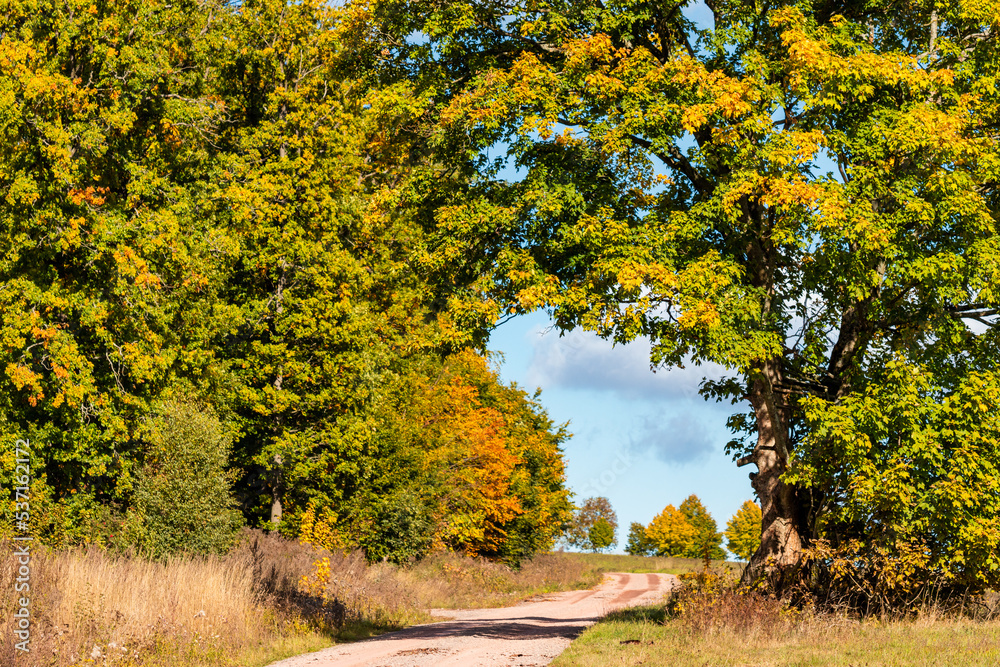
(711, 622)
(267, 599)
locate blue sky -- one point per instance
(642, 439)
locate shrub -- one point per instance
(183, 501)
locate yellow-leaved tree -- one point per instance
(743, 531)
(671, 532)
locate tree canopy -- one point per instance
(801, 192)
(296, 213)
(237, 207)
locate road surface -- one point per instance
(531, 633)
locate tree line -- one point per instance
(228, 296)
(689, 531)
(283, 210)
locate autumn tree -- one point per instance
(639, 542)
(585, 517)
(800, 192)
(110, 269)
(468, 465)
(743, 531)
(671, 532)
(707, 543)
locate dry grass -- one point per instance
(719, 626)
(247, 608)
(92, 607)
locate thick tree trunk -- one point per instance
(780, 553)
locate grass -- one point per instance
(730, 629)
(269, 599)
(647, 564)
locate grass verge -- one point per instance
(648, 564)
(645, 636)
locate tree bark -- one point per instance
(780, 553)
(779, 556)
(276, 489)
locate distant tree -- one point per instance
(601, 535)
(709, 540)
(743, 531)
(590, 512)
(639, 543)
(671, 532)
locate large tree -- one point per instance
(800, 192)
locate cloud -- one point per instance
(582, 360)
(680, 439)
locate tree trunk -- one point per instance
(275, 507)
(780, 553)
(279, 296)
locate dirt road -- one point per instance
(532, 633)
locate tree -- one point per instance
(467, 464)
(707, 543)
(108, 279)
(183, 497)
(672, 533)
(743, 531)
(601, 535)
(639, 543)
(800, 192)
(585, 517)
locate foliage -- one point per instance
(585, 517)
(213, 201)
(671, 533)
(800, 192)
(639, 543)
(183, 501)
(743, 531)
(472, 466)
(688, 531)
(707, 543)
(601, 535)
(107, 271)
(916, 483)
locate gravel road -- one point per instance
(531, 633)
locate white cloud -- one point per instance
(582, 360)
(680, 439)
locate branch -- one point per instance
(976, 314)
(677, 160)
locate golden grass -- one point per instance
(91, 607)
(729, 629)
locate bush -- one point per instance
(183, 501)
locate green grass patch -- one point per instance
(648, 564)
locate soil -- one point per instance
(531, 633)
